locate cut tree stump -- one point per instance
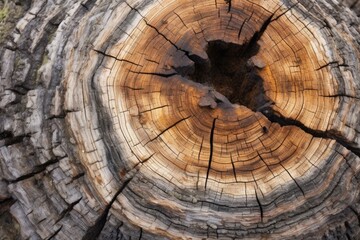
(165, 119)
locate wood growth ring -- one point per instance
(186, 120)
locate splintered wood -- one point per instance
(154, 144)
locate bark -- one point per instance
(180, 119)
(353, 5)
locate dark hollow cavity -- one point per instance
(231, 72)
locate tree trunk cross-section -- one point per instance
(184, 119)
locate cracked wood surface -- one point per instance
(182, 119)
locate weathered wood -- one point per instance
(180, 120)
(353, 5)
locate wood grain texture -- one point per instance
(181, 120)
(354, 5)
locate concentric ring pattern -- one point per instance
(164, 156)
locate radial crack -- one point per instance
(340, 95)
(228, 2)
(211, 150)
(117, 59)
(167, 39)
(276, 117)
(265, 163)
(201, 145)
(141, 234)
(260, 206)
(168, 128)
(155, 108)
(241, 28)
(94, 231)
(55, 233)
(180, 19)
(258, 34)
(187, 53)
(243, 24)
(336, 63)
(287, 10)
(153, 27)
(297, 184)
(143, 161)
(234, 169)
(68, 210)
(82, 174)
(36, 170)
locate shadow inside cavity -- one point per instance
(231, 71)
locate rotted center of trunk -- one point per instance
(232, 71)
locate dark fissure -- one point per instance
(230, 70)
